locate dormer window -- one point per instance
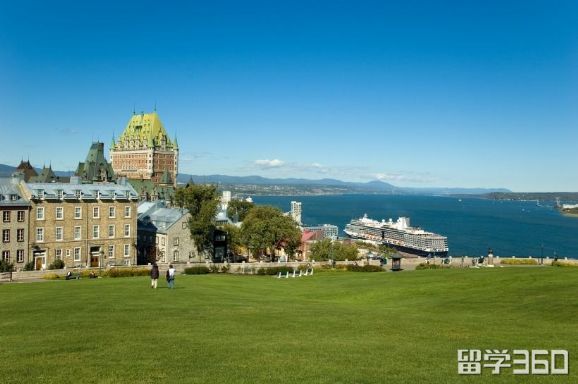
(13, 197)
(77, 193)
(60, 194)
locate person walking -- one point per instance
(171, 276)
(154, 275)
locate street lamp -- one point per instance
(542, 253)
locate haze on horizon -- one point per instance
(413, 93)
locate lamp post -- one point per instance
(542, 253)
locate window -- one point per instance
(20, 235)
(40, 234)
(77, 254)
(95, 212)
(77, 193)
(111, 251)
(127, 250)
(127, 230)
(127, 211)
(111, 212)
(59, 234)
(40, 213)
(68, 253)
(77, 233)
(60, 194)
(176, 241)
(95, 231)
(185, 225)
(5, 235)
(6, 256)
(111, 230)
(58, 254)
(59, 213)
(20, 256)
(6, 216)
(78, 212)
(175, 255)
(21, 216)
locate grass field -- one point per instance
(333, 327)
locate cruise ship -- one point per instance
(399, 235)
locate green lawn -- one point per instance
(333, 327)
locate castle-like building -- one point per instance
(144, 151)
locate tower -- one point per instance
(144, 151)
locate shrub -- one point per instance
(364, 268)
(6, 266)
(29, 266)
(564, 264)
(50, 276)
(200, 270)
(127, 272)
(56, 264)
(431, 266)
(519, 261)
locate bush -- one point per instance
(519, 262)
(57, 264)
(364, 268)
(6, 266)
(29, 266)
(564, 264)
(51, 276)
(200, 270)
(127, 272)
(431, 266)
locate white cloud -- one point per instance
(267, 164)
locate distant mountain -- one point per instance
(375, 186)
(7, 170)
(263, 185)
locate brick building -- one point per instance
(144, 151)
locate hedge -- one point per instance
(564, 264)
(519, 261)
(431, 266)
(199, 270)
(364, 268)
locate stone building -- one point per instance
(26, 169)
(14, 210)
(88, 225)
(95, 168)
(144, 150)
(163, 235)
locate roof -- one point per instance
(148, 189)
(10, 193)
(157, 214)
(144, 130)
(112, 191)
(27, 169)
(95, 168)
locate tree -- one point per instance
(265, 229)
(238, 209)
(333, 250)
(202, 202)
(233, 238)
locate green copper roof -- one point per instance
(144, 130)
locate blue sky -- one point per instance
(415, 93)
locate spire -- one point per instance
(176, 142)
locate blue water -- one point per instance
(510, 228)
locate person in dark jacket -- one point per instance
(154, 275)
